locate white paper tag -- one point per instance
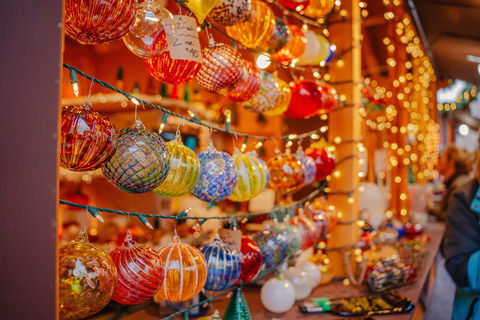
(186, 45)
(232, 238)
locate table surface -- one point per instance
(333, 289)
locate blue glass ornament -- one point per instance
(274, 247)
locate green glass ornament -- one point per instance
(237, 308)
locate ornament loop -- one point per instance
(87, 104)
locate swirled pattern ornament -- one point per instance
(266, 97)
(307, 230)
(248, 85)
(283, 100)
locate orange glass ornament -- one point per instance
(248, 85)
(185, 271)
(222, 68)
(99, 21)
(319, 8)
(168, 70)
(286, 173)
(257, 31)
(283, 99)
(294, 48)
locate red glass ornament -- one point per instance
(168, 70)
(306, 100)
(140, 272)
(248, 85)
(307, 229)
(88, 138)
(329, 95)
(99, 21)
(293, 5)
(222, 68)
(294, 48)
(251, 260)
(324, 161)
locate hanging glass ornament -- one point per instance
(223, 265)
(283, 99)
(292, 234)
(294, 5)
(278, 295)
(251, 177)
(329, 97)
(324, 51)
(230, 12)
(201, 8)
(222, 68)
(312, 272)
(184, 170)
(266, 97)
(264, 166)
(294, 48)
(311, 50)
(99, 21)
(218, 175)
(307, 230)
(319, 8)
(237, 308)
(88, 138)
(87, 278)
(274, 247)
(287, 173)
(248, 85)
(185, 271)
(151, 21)
(279, 38)
(168, 70)
(324, 215)
(300, 280)
(255, 32)
(324, 161)
(251, 259)
(140, 163)
(308, 164)
(306, 100)
(140, 272)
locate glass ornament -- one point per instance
(279, 38)
(248, 85)
(312, 271)
(237, 308)
(306, 100)
(88, 138)
(99, 21)
(331, 53)
(218, 175)
(222, 68)
(274, 247)
(263, 164)
(294, 5)
(256, 32)
(230, 12)
(283, 99)
(324, 215)
(201, 8)
(214, 316)
(294, 48)
(184, 170)
(251, 259)
(324, 51)
(266, 97)
(168, 70)
(87, 278)
(324, 161)
(277, 295)
(292, 234)
(329, 97)
(319, 8)
(140, 272)
(307, 230)
(140, 163)
(223, 265)
(287, 173)
(185, 271)
(151, 21)
(308, 164)
(311, 50)
(300, 280)
(251, 177)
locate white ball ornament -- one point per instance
(312, 271)
(300, 280)
(277, 295)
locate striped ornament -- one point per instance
(185, 271)
(223, 265)
(252, 176)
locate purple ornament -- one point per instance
(309, 165)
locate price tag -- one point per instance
(232, 238)
(186, 45)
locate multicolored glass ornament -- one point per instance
(287, 173)
(223, 265)
(140, 163)
(294, 5)
(283, 99)
(222, 68)
(279, 38)
(99, 21)
(184, 170)
(263, 164)
(255, 32)
(307, 230)
(251, 259)
(201, 8)
(308, 164)
(87, 278)
(324, 215)
(151, 20)
(294, 48)
(266, 97)
(292, 234)
(248, 85)
(324, 161)
(218, 175)
(185, 271)
(237, 308)
(306, 100)
(230, 12)
(140, 272)
(172, 71)
(274, 247)
(88, 138)
(251, 177)
(329, 97)
(311, 50)
(319, 8)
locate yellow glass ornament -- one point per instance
(324, 50)
(319, 8)
(256, 32)
(185, 271)
(283, 100)
(87, 279)
(184, 170)
(251, 176)
(201, 8)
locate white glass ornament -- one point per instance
(278, 295)
(300, 280)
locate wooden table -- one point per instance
(332, 290)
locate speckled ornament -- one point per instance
(266, 97)
(279, 38)
(283, 99)
(230, 12)
(292, 234)
(287, 173)
(274, 247)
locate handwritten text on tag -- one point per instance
(186, 45)
(232, 238)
